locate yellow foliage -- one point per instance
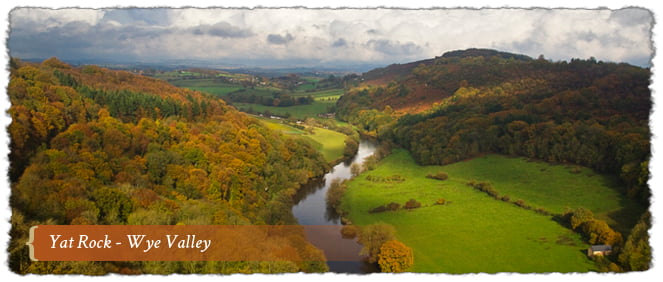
(394, 256)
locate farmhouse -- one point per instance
(599, 250)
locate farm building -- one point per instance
(599, 250)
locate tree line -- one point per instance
(276, 100)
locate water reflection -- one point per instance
(311, 209)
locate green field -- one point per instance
(210, 86)
(310, 84)
(299, 111)
(330, 143)
(552, 187)
(282, 127)
(322, 101)
(474, 232)
(221, 89)
(321, 94)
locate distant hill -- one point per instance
(486, 53)
(416, 86)
(396, 71)
(476, 101)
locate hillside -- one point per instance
(417, 86)
(397, 71)
(95, 146)
(467, 104)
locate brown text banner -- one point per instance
(172, 242)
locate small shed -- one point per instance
(599, 250)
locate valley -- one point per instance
(484, 161)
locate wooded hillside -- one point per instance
(466, 103)
(95, 146)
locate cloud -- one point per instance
(373, 31)
(340, 43)
(394, 47)
(223, 30)
(38, 20)
(631, 17)
(279, 39)
(380, 36)
(139, 16)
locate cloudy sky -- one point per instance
(326, 37)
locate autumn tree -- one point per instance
(96, 146)
(598, 232)
(412, 204)
(395, 257)
(355, 169)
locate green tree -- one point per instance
(334, 194)
(636, 254)
(114, 205)
(351, 147)
(580, 216)
(355, 169)
(372, 237)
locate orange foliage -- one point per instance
(395, 257)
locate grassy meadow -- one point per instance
(218, 88)
(299, 111)
(330, 143)
(323, 100)
(473, 232)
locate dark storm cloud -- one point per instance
(78, 39)
(394, 47)
(58, 42)
(279, 39)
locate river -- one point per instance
(324, 232)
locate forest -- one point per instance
(466, 104)
(96, 146)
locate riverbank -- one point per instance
(310, 209)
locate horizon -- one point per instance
(179, 64)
